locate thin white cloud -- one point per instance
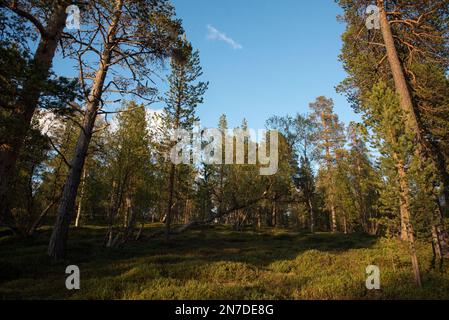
(49, 123)
(215, 34)
(154, 118)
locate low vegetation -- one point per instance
(219, 263)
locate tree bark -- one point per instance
(39, 219)
(58, 241)
(188, 211)
(403, 236)
(78, 213)
(130, 219)
(440, 236)
(27, 104)
(333, 219)
(406, 102)
(312, 217)
(404, 194)
(345, 224)
(57, 246)
(171, 186)
(437, 250)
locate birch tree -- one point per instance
(185, 93)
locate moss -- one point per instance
(218, 263)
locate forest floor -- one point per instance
(218, 263)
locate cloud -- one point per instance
(214, 34)
(49, 123)
(154, 118)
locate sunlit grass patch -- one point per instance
(219, 263)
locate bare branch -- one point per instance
(24, 14)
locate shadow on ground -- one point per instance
(217, 263)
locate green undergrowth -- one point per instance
(218, 263)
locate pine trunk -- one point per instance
(345, 225)
(171, 186)
(78, 213)
(405, 209)
(130, 216)
(274, 215)
(312, 217)
(403, 235)
(440, 236)
(58, 240)
(333, 219)
(432, 148)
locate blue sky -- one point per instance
(278, 56)
(289, 56)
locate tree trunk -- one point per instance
(78, 214)
(345, 224)
(27, 104)
(437, 250)
(333, 219)
(330, 189)
(440, 236)
(188, 211)
(274, 215)
(39, 219)
(414, 125)
(171, 185)
(58, 241)
(361, 198)
(57, 246)
(405, 209)
(404, 236)
(130, 219)
(402, 89)
(220, 204)
(312, 216)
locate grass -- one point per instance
(218, 263)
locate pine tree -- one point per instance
(409, 54)
(330, 140)
(35, 83)
(185, 93)
(364, 178)
(387, 122)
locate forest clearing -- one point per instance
(146, 153)
(219, 263)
